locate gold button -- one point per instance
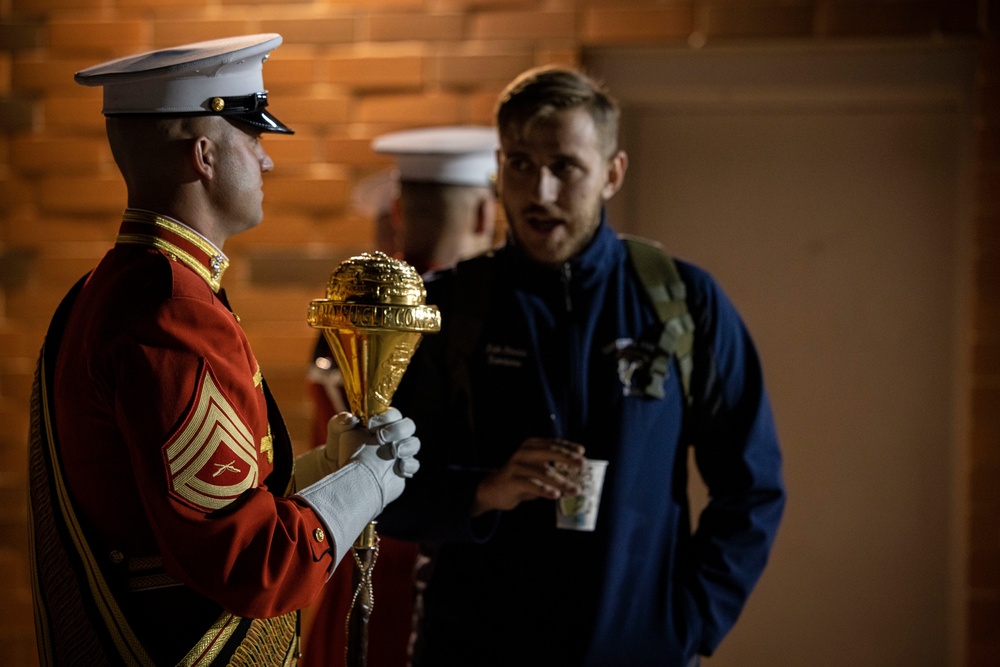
(319, 534)
(218, 104)
(117, 557)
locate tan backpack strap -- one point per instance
(659, 276)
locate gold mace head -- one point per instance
(373, 317)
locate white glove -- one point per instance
(377, 459)
(317, 463)
(389, 431)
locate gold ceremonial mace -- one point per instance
(373, 317)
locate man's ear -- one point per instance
(617, 165)
(204, 156)
(486, 216)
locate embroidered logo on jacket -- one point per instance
(633, 359)
(212, 458)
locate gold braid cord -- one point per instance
(272, 641)
(364, 589)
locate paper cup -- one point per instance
(580, 512)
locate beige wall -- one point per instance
(820, 184)
(349, 71)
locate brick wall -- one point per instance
(349, 70)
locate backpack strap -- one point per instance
(659, 276)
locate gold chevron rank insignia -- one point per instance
(212, 459)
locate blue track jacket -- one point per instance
(555, 356)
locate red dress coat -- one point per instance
(175, 455)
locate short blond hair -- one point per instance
(542, 91)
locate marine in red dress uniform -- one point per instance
(166, 526)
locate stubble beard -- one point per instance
(555, 250)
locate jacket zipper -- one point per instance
(567, 275)
(573, 398)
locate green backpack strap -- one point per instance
(659, 276)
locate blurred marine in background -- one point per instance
(436, 207)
